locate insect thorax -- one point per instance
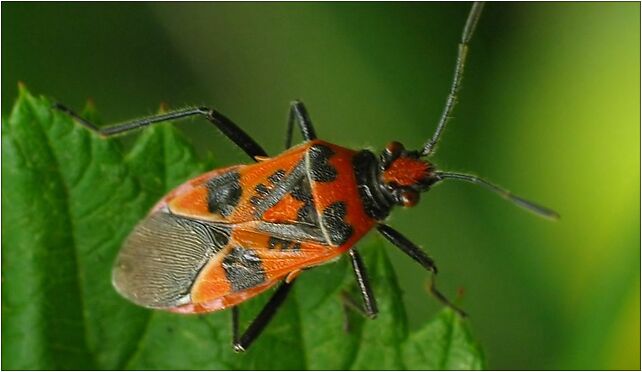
(377, 201)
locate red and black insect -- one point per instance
(232, 233)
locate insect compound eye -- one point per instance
(408, 198)
(393, 150)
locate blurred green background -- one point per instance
(549, 108)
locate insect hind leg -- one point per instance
(243, 342)
(225, 125)
(299, 113)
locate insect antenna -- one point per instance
(528, 205)
(467, 34)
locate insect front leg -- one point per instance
(243, 342)
(299, 113)
(225, 125)
(412, 250)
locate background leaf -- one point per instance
(70, 198)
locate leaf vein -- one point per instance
(72, 225)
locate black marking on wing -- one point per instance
(283, 244)
(261, 189)
(320, 169)
(255, 200)
(243, 269)
(277, 176)
(307, 213)
(266, 201)
(333, 220)
(223, 193)
(162, 257)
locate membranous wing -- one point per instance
(161, 258)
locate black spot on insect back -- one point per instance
(223, 193)
(243, 269)
(333, 221)
(320, 169)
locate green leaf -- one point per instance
(68, 201)
(445, 343)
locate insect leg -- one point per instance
(225, 125)
(407, 247)
(442, 298)
(258, 324)
(369, 302)
(412, 250)
(235, 325)
(300, 114)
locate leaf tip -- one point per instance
(23, 91)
